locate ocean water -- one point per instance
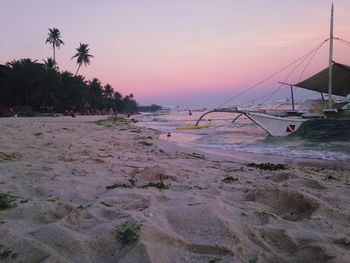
(245, 136)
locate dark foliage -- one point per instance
(27, 86)
(150, 108)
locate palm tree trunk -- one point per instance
(54, 53)
(76, 73)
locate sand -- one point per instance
(83, 192)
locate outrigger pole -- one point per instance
(291, 92)
(229, 110)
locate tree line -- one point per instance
(41, 86)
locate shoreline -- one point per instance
(237, 156)
(246, 157)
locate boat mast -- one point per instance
(330, 60)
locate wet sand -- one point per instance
(77, 191)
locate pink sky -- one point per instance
(183, 52)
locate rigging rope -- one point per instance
(273, 93)
(274, 74)
(312, 54)
(343, 41)
(308, 63)
(286, 78)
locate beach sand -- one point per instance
(77, 191)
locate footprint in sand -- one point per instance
(289, 205)
(284, 248)
(281, 177)
(152, 174)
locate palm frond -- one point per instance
(82, 55)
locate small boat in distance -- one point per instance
(333, 80)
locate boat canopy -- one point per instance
(319, 81)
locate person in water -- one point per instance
(189, 112)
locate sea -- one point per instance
(244, 136)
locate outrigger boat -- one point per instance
(334, 80)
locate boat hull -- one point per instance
(276, 126)
(325, 129)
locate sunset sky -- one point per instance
(177, 52)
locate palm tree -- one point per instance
(50, 64)
(108, 91)
(82, 56)
(54, 38)
(23, 79)
(118, 96)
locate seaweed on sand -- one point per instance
(5, 252)
(145, 143)
(6, 201)
(345, 241)
(111, 121)
(229, 180)
(106, 204)
(197, 155)
(128, 235)
(215, 260)
(116, 185)
(160, 185)
(268, 166)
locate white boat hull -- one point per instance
(276, 126)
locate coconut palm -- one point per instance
(50, 64)
(23, 79)
(82, 56)
(118, 96)
(54, 38)
(108, 91)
